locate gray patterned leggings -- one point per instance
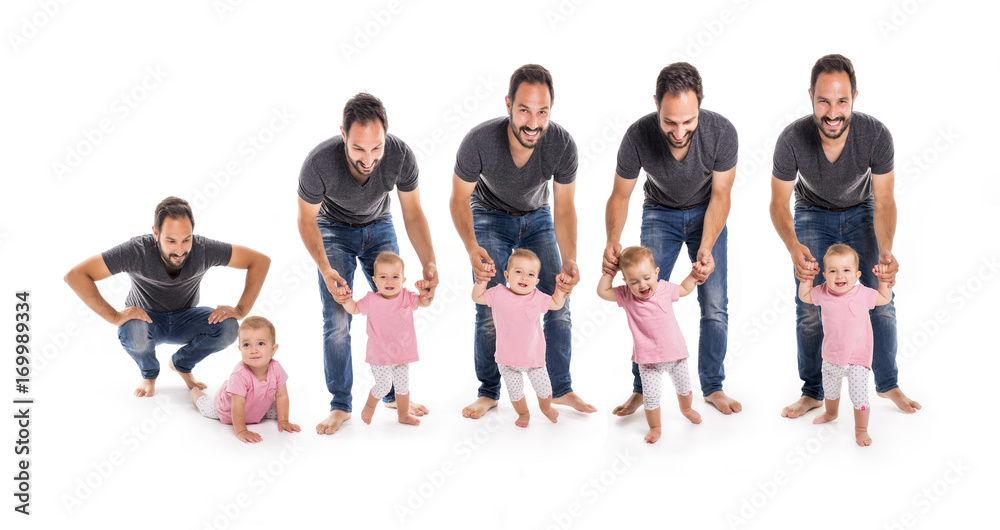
(539, 378)
(857, 382)
(389, 375)
(650, 374)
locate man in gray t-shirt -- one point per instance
(166, 268)
(689, 156)
(839, 163)
(344, 220)
(500, 201)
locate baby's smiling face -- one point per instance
(841, 273)
(522, 274)
(642, 278)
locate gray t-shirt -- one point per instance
(844, 184)
(671, 183)
(152, 289)
(484, 158)
(326, 178)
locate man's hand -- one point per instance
(889, 269)
(570, 276)
(703, 266)
(427, 286)
(482, 264)
(334, 282)
(223, 312)
(804, 262)
(131, 313)
(610, 262)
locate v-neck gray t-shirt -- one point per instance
(484, 158)
(844, 184)
(152, 288)
(671, 183)
(326, 178)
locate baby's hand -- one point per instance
(563, 283)
(880, 271)
(286, 425)
(248, 437)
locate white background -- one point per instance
(927, 70)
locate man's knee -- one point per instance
(136, 335)
(228, 330)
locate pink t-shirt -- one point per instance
(259, 394)
(655, 332)
(392, 338)
(520, 341)
(847, 328)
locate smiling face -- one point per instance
(642, 278)
(529, 113)
(389, 279)
(678, 117)
(364, 145)
(833, 104)
(257, 347)
(522, 274)
(174, 240)
(841, 272)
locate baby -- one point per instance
(256, 388)
(659, 346)
(520, 342)
(392, 338)
(847, 332)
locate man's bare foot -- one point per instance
(823, 418)
(479, 407)
(332, 422)
(551, 413)
(862, 437)
(570, 399)
(416, 409)
(653, 435)
(724, 403)
(800, 407)
(145, 388)
(904, 403)
(188, 378)
(692, 415)
(367, 413)
(522, 420)
(631, 405)
(408, 419)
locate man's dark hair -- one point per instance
(676, 79)
(364, 108)
(173, 208)
(533, 74)
(831, 64)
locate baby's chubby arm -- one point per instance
(480, 287)
(689, 283)
(239, 420)
(559, 296)
(343, 297)
(604, 288)
(281, 404)
(804, 289)
(884, 286)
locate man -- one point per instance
(843, 162)
(344, 219)
(500, 201)
(166, 268)
(689, 155)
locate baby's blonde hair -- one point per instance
(632, 256)
(841, 249)
(388, 258)
(256, 322)
(523, 253)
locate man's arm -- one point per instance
(715, 220)
(83, 280)
(614, 221)
(781, 216)
(564, 218)
(312, 238)
(461, 215)
(419, 233)
(885, 223)
(256, 265)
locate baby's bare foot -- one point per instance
(800, 407)
(522, 420)
(824, 417)
(479, 407)
(692, 415)
(407, 419)
(862, 437)
(415, 408)
(145, 388)
(653, 435)
(367, 413)
(188, 378)
(551, 413)
(631, 405)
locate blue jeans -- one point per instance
(817, 229)
(345, 246)
(189, 327)
(663, 232)
(500, 233)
